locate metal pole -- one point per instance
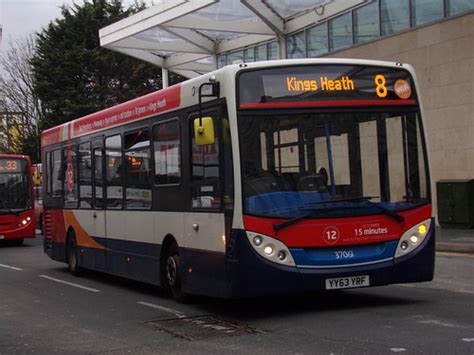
(164, 77)
(282, 47)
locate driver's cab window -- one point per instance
(205, 183)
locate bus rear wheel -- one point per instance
(172, 274)
(71, 252)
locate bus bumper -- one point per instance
(251, 276)
(18, 227)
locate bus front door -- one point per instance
(98, 213)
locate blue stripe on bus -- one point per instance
(344, 255)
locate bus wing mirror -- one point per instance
(204, 131)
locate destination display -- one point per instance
(10, 166)
(323, 84)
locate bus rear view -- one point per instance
(335, 182)
(17, 220)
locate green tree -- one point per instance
(74, 76)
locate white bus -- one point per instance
(268, 177)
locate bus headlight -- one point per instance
(271, 249)
(24, 222)
(413, 238)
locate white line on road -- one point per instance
(69, 283)
(10, 267)
(166, 309)
(468, 340)
(398, 350)
(449, 253)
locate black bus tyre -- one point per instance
(71, 254)
(172, 274)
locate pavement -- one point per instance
(455, 240)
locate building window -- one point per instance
(394, 15)
(221, 61)
(231, 57)
(137, 163)
(317, 40)
(455, 7)
(340, 32)
(366, 23)
(114, 172)
(249, 55)
(273, 51)
(425, 11)
(167, 146)
(261, 52)
(296, 46)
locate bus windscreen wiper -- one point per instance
(399, 218)
(315, 212)
(6, 208)
(386, 211)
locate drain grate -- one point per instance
(201, 327)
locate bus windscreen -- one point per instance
(325, 85)
(14, 185)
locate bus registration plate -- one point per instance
(347, 282)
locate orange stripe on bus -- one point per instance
(82, 237)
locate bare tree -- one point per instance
(17, 94)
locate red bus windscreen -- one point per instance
(15, 191)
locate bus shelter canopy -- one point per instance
(185, 36)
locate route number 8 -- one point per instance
(381, 90)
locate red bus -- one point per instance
(17, 210)
(256, 179)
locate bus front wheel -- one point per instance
(71, 250)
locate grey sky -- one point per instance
(23, 17)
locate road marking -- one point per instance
(69, 283)
(434, 287)
(10, 267)
(440, 323)
(166, 309)
(449, 253)
(398, 350)
(468, 340)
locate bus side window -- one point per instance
(205, 183)
(85, 175)
(167, 146)
(47, 168)
(56, 174)
(114, 172)
(70, 177)
(137, 164)
(98, 181)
